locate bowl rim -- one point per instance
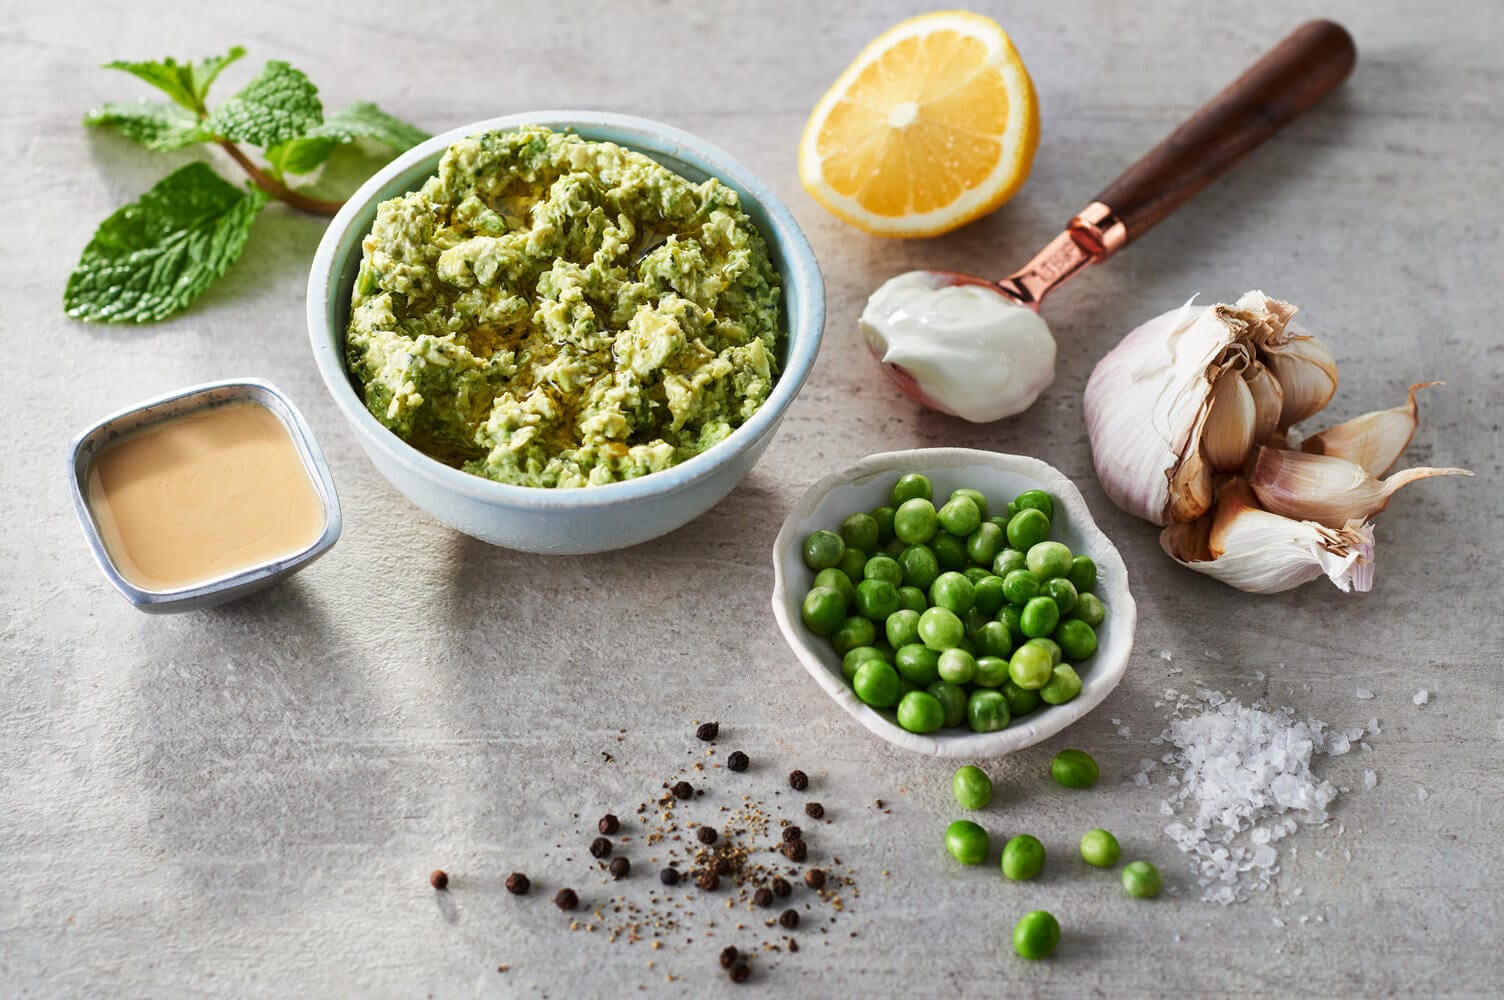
(1106, 673)
(803, 342)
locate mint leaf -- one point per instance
(279, 104)
(361, 120)
(155, 256)
(208, 70)
(154, 124)
(171, 77)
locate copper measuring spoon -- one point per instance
(1302, 69)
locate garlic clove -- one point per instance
(1305, 370)
(1191, 492)
(1231, 419)
(1263, 553)
(1375, 440)
(1327, 489)
(1268, 401)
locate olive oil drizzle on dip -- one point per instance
(202, 496)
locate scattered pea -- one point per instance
(971, 787)
(967, 842)
(1036, 934)
(1023, 857)
(1100, 849)
(1074, 769)
(1141, 880)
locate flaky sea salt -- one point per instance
(1370, 779)
(1364, 694)
(1421, 697)
(1245, 783)
(1421, 793)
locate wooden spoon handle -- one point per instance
(1299, 71)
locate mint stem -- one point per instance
(275, 188)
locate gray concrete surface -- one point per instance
(248, 801)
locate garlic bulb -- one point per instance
(1189, 419)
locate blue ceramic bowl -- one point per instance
(597, 518)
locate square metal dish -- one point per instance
(202, 397)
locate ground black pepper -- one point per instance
(763, 896)
(669, 876)
(737, 761)
(709, 881)
(795, 850)
(792, 832)
(439, 879)
(815, 879)
(565, 899)
(814, 810)
(518, 884)
(682, 790)
(788, 919)
(706, 834)
(798, 780)
(708, 731)
(739, 972)
(620, 867)
(600, 847)
(781, 887)
(608, 825)
(729, 955)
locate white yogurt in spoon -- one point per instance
(968, 349)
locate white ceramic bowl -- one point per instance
(865, 486)
(597, 518)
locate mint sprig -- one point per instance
(153, 257)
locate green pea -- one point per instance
(853, 562)
(876, 599)
(959, 516)
(856, 657)
(883, 568)
(976, 574)
(1100, 849)
(1083, 573)
(1038, 618)
(992, 671)
(975, 496)
(837, 580)
(1063, 593)
(920, 567)
(1021, 701)
(894, 547)
(860, 531)
(852, 633)
(950, 551)
(987, 711)
(918, 663)
(983, 545)
(884, 517)
(914, 522)
(971, 787)
(1030, 667)
(1037, 499)
(953, 592)
(989, 595)
(1090, 609)
(1009, 560)
(912, 598)
(1141, 880)
(967, 645)
(920, 712)
(1057, 655)
(876, 683)
(1035, 935)
(974, 620)
(823, 549)
(1020, 586)
(1078, 640)
(823, 610)
(1064, 685)
(904, 687)
(902, 628)
(1028, 528)
(1074, 769)
(957, 666)
(1009, 616)
(994, 639)
(940, 628)
(967, 842)
(1049, 559)
(952, 698)
(1001, 520)
(911, 487)
(1023, 857)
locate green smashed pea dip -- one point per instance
(552, 312)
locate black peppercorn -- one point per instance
(518, 884)
(788, 919)
(619, 867)
(600, 847)
(682, 790)
(792, 833)
(781, 887)
(814, 810)
(815, 879)
(795, 850)
(723, 865)
(737, 761)
(729, 955)
(669, 876)
(709, 881)
(439, 879)
(798, 780)
(608, 825)
(565, 899)
(706, 834)
(708, 731)
(762, 897)
(739, 972)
